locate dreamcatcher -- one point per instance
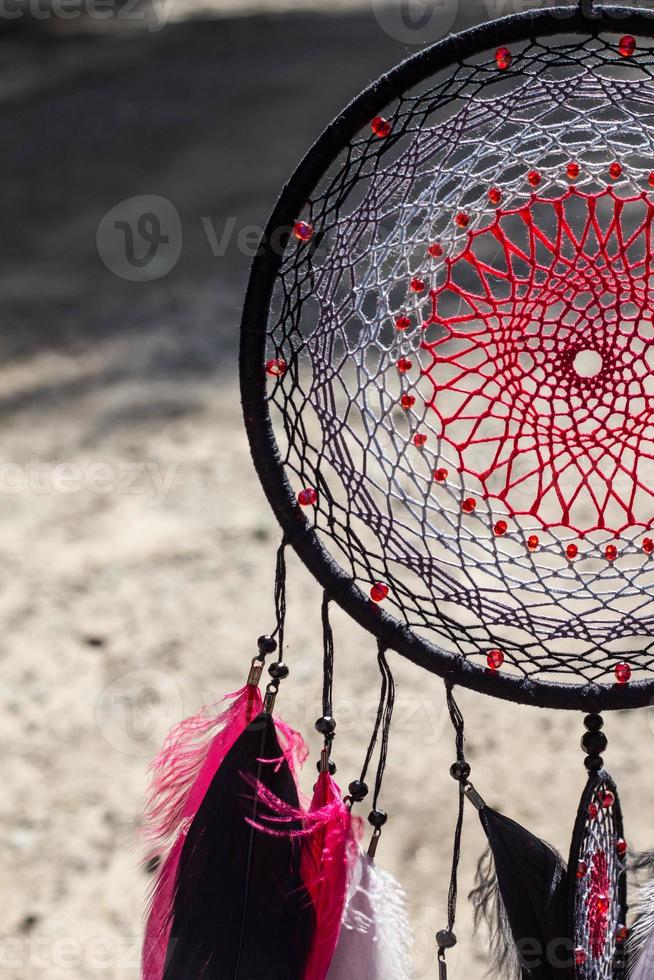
(447, 371)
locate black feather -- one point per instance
(490, 909)
(240, 911)
(532, 882)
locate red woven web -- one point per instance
(542, 363)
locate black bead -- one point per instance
(332, 767)
(594, 743)
(266, 644)
(594, 722)
(593, 763)
(445, 939)
(358, 790)
(278, 671)
(326, 725)
(460, 771)
(377, 819)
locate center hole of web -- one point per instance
(587, 363)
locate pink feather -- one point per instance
(181, 776)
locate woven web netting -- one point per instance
(599, 912)
(461, 351)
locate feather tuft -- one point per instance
(490, 909)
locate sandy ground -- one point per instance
(137, 547)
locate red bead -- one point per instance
(622, 673)
(580, 956)
(303, 231)
(621, 847)
(468, 505)
(495, 659)
(651, 179)
(462, 219)
(615, 171)
(572, 551)
(276, 367)
(503, 58)
(495, 195)
(573, 170)
(532, 542)
(534, 178)
(648, 546)
(435, 250)
(403, 322)
(500, 528)
(621, 934)
(582, 869)
(627, 46)
(611, 552)
(602, 904)
(381, 127)
(441, 474)
(593, 810)
(378, 592)
(407, 401)
(419, 439)
(404, 365)
(608, 799)
(307, 498)
(417, 284)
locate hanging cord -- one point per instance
(358, 789)
(274, 641)
(460, 771)
(326, 725)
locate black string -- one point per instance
(280, 598)
(328, 660)
(385, 672)
(385, 723)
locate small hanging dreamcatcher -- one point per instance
(447, 370)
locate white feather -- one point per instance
(375, 940)
(641, 940)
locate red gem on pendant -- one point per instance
(627, 46)
(573, 170)
(611, 552)
(500, 528)
(608, 799)
(602, 904)
(419, 439)
(622, 673)
(303, 231)
(276, 367)
(407, 402)
(572, 551)
(379, 591)
(468, 505)
(651, 179)
(580, 956)
(495, 195)
(534, 178)
(621, 934)
(532, 542)
(404, 365)
(495, 659)
(307, 498)
(441, 474)
(615, 171)
(402, 322)
(621, 847)
(593, 810)
(462, 219)
(381, 127)
(648, 546)
(582, 869)
(503, 58)
(435, 250)
(417, 284)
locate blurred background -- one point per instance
(142, 148)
